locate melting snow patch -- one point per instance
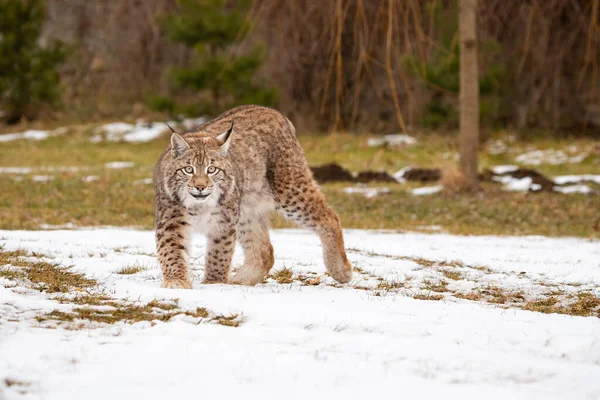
(502, 169)
(392, 140)
(561, 180)
(90, 178)
(311, 341)
(135, 133)
(573, 189)
(516, 184)
(367, 192)
(192, 123)
(423, 191)
(145, 181)
(30, 134)
(399, 176)
(15, 170)
(42, 178)
(119, 164)
(550, 156)
(497, 147)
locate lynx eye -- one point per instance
(211, 169)
(188, 170)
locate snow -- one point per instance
(299, 341)
(15, 170)
(367, 191)
(573, 189)
(549, 156)
(119, 164)
(497, 147)
(145, 181)
(90, 178)
(139, 132)
(399, 175)
(425, 190)
(517, 184)
(392, 140)
(503, 169)
(525, 184)
(192, 123)
(32, 134)
(42, 178)
(562, 179)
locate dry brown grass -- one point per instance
(428, 296)
(92, 306)
(454, 275)
(439, 286)
(45, 276)
(473, 296)
(454, 182)
(131, 269)
(284, 275)
(114, 312)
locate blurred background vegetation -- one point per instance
(343, 71)
(339, 64)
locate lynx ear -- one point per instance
(224, 139)
(178, 145)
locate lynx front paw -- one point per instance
(249, 276)
(343, 273)
(177, 284)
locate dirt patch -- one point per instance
(331, 173)
(336, 173)
(546, 184)
(373, 176)
(423, 174)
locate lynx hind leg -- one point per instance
(258, 252)
(300, 200)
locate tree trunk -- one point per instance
(469, 92)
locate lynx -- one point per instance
(225, 179)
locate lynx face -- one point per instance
(199, 169)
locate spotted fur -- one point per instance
(225, 179)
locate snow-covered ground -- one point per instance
(318, 340)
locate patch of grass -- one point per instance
(544, 306)
(231, 320)
(131, 269)
(113, 312)
(440, 286)
(390, 285)
(45, 276)
(310, 280)
(586, 304)
(473, 296)
(87, 299)
(114, 199)
(91, 307)
(284, 275)
(500, 295)
(428, 296)
(11, 274)
(454, 275)
(13, 382)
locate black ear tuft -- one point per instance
(172, 130)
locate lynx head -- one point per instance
(199, 170)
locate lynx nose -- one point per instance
(200, 187)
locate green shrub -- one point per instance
(221, 78)
(28, 75)
(440, 73)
